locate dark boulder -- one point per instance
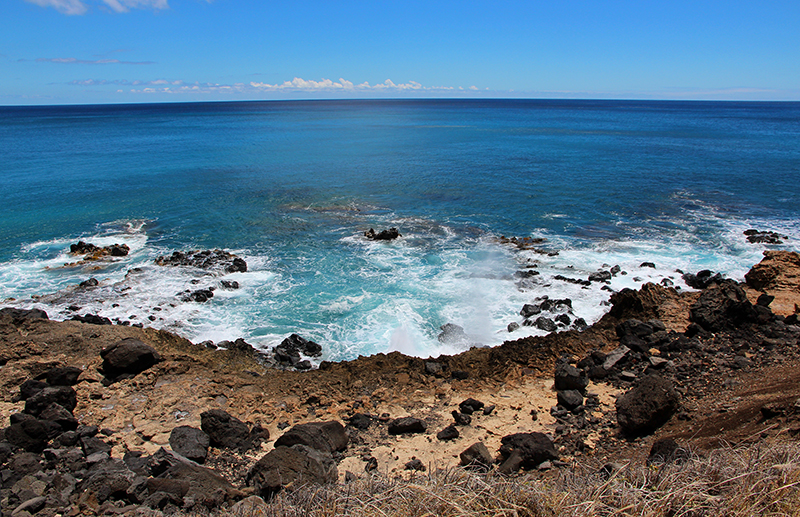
(190, 442)
(93, 444)
(200, 295)
(360, 421)
(406, 425)
(525, 450)
(92, 282)
(64, 376)
(764, 237)
(30, 388)
(295, 344)
(722, 305)
(17, 317)
(470, 406)
(529, 310)
(702, 279)
(226, 431)
(545, 324)
(64, 396)
(764, 300)
(207, 259)
(649, 404)
(291, 467)
(55, 413)
(476, 456)
(452, 334)
(634, 334)
(600, 276)
(92, 319)
(323, 436)
(461, 418)
(128, 357)
(448, 433)
(570, 399)
(30, 433)
(383, 235)
(200, 487)
(567, 377)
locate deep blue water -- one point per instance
(291, 186)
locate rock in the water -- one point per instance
(526, 450)
(600, 276)
(291, 467)
(206, 259)
(200, 295)
(702, 279)
(190, 442)
(545, 324)
(297, 344)
(452, 334)
(529, 310)
(128, 357)
(406, 425)
(649, 404)
(92, 319)
(383, 235)
(326, 437)
(764, 237)
(477, 456)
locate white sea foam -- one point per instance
(363, 297)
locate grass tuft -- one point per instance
(761, 480)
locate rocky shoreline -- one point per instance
(113, 419)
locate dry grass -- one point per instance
(759, 480)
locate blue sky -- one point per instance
(116, 51)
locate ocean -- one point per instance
(291, 187)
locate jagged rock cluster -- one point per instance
(213, 260)
(383, 235)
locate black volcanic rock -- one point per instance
(647, 406)
(383, 235)
(128, 357)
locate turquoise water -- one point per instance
(292, 186)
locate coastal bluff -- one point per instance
(111, 419)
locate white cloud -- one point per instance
(71, 7)
(63, 6)
(301, 85)
(75, 61)
(296, 85)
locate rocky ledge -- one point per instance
(109, 419)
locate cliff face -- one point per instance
(778, 273)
